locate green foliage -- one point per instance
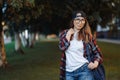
(101, 11)
(58, 13)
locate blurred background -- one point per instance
(29, 33)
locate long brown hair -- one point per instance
(85, 33)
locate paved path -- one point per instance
(110, 41)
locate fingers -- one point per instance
(71, 31)
(92, 65)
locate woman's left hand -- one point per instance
(92, 65)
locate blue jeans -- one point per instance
(83, 73)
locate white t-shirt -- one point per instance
(74, 54)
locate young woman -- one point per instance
(74, 63)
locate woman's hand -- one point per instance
(92, 65)
(69, 33)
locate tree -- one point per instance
(3, 59)
(18, 15)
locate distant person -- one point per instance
(74, 63)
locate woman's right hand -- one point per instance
(69, 33)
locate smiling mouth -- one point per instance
(79, 25)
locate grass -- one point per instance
(42, 62)
(111, 53)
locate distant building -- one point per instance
(112, 30)
(102, 32)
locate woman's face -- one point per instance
(79, 22)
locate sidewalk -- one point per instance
(110, 41)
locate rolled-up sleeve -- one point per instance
(63, 42)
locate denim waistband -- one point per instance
(81, 68)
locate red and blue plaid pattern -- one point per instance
(64, 44)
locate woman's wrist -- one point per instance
(96, 63)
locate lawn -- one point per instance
(42, 62)
(111, 56)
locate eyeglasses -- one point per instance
(80, 20)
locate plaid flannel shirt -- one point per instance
(64, 44)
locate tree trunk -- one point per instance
(18, 43)
(23, 40)
(32, 39)
(2, 51)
